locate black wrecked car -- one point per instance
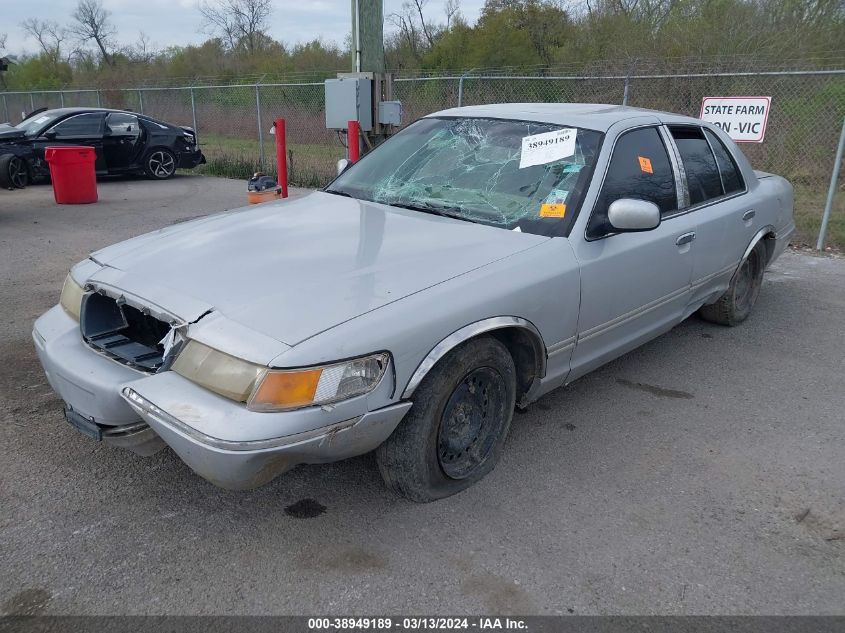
(125, 142)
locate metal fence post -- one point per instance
(31, 102)
(141, 102)
(260, 131)
(834, 177)
(6, 109)
(625, 92)
(62, 97)
(98, 99)
(194, 114)
(461, 87)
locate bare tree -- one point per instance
(452, 8)
(92, 23)
(241, 24)
(3, 37)
(142, 49)
(49, 36)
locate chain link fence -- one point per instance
(233, 121)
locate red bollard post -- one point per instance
(281, 156)
(353, 141)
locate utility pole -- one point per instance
(368, 36)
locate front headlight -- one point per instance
(229, 376)
(71, 299)
(278, 390)
(283, 390)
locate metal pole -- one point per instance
(31, 102)
(6, 109)
(62, 97)
(194, 115)
(837, 164)
(625, 93)
(260, 131)
(140, 102)
(461, 87)
(98, 99)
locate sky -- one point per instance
(177, 22)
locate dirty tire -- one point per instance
(14, 172)
(160, 163)
(454, 433)
(735, 305)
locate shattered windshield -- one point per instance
(517, 175)
(35, 123)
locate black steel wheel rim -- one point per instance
(471, 423)
(18, 174)
(744, 289)
(162, 164)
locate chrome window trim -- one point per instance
(681, 184)
(467, 332)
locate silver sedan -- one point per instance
(472, 263)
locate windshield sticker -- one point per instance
(645, 165)
(557, 196)
(552, 210)
(548, 147)
(40, 120)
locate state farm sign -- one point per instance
(743, 118)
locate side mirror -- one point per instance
(50, 135)
(627, 215)
(342, 165)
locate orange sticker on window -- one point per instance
(645, 165)
(552, 210)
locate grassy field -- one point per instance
(314, 166)
(308, 165)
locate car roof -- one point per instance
(80, 110)
(589, 116)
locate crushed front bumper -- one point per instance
(219, 439)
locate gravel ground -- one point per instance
(703, 473)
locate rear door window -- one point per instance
(640, 169)
(700, 166)
(122, 124)
(731, 178)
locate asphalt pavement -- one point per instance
(703, 473)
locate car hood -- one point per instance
(9, 132)
(293, 269)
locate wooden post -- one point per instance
(369, 26)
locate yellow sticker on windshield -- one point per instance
(552, 210)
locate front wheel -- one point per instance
(160, 164)
(14, 172)
(733, 307)
(454, 433)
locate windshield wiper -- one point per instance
(445, 211)
(338, 192)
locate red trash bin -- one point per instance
(73, 174)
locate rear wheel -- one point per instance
(454, 433)
(14, 172)
(160, 164)
(735, 305)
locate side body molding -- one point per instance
(469, 331)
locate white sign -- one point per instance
(743, 118)
(540, 149)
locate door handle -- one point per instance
(686, 238)
(748, 215)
